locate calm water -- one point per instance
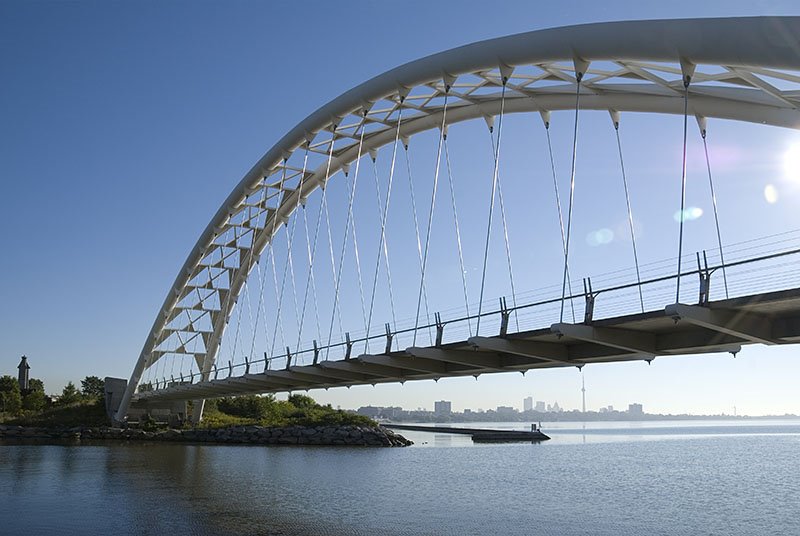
(678, 478)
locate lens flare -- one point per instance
(600, 237)
(771, 194)
(689, 214)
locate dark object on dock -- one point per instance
(479, 435)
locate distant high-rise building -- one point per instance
(506, 411)
(442, 407)
(539, 406)
(527, 403)
(635, 409)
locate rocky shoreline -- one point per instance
(346, 435)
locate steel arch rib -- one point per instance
(733, 43)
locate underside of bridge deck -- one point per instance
(722, 326)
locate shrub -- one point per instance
(10, 396)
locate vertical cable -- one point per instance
(313, 252)
(491, 210)
(682, 215)
(348, 220)
(416, 232)
(458, 233)
(716, 216)
(578, 78)
(353, 227)
(259, 274)
(630, 214)
(430, 212)
(558, 208)
(384, 214)
(496, 154)
(288, 266)
(299, 197)
(333, 259)
(278, 293)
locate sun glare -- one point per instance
(791, 163)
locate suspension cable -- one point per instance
(558, 208)
(578, 78)
(239, 314)
(416, 232)
(312, 253)
(288, 265)
(353, 227)
(383, 212)
(278, 293)
(458, 232)
(348, 219)
(714, 204)
(333, 262)
(682, 215)
(430, 212)
(491, 209)
(496, 155)
(615, 120)
(260, 298)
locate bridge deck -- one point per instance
(721, 326)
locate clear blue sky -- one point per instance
(124, 125)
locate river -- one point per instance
(655, 478)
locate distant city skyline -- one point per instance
(116, 150)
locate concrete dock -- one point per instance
(479, 435)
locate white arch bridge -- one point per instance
(373, 243)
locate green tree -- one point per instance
(93, 387)
(302, 401)
(249, 406)
(34, 400)
(69, 395)
(10, 397)
(35, 384)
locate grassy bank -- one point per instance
(298, 410)
(83, 413)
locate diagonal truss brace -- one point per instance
(748, 326)
(623, 339)
(540, 351)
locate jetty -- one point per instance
(479, 435)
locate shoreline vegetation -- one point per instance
(80, 417)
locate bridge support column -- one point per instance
(197, 410)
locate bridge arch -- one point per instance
(636, 66)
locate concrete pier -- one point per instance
(478, 434)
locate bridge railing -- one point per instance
(748, 270)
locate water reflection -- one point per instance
(589, 479)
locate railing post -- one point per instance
(348, 347)
(389, 337)
(216, 370)
(288, 358)
(316, 352)
(504, 316)
(705, 280)
(588, 312)
(439, 329)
